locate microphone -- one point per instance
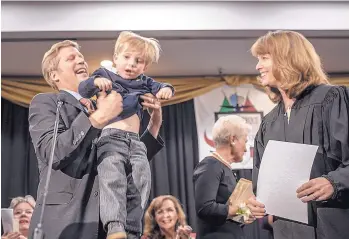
(38, 232)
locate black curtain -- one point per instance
(172, 168)
(19, 171)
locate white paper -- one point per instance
(7, 219)
(284, 168)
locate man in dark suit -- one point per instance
(72, 204)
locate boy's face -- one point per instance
(130, 64)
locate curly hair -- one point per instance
(151, 228)
(296, 65)
(228, 126)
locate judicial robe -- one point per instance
(319, 116)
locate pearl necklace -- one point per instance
(220, 158)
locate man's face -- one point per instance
(71, 70)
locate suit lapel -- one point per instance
(69, 99)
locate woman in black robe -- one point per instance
(309, 111)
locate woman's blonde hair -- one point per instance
(228, 126)
(151, 228)
(17, 200)
(150, 47)
(296, 65)
(50, 61)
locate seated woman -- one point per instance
(22, 211)
(214, 181)
(165, 219)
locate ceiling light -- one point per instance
(107, 64)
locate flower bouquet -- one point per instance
(242, 192)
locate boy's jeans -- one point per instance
(117, 150)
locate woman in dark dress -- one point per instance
(214, 181)
(309, 111)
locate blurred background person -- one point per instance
(165, 219)
(22, 211)
(214, 180)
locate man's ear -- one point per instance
(54, 76)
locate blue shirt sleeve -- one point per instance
(156, 86)
(87, 88)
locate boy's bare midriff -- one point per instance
(130, 124)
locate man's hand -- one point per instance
(164, 93)
(108, 107)
(318, 189)
(103, 84)
(154, 108)
(88, 104)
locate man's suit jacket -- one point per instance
(72, 205)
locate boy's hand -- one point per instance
(103, 84)
(164, 93)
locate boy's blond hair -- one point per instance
(50, 61)
(149, 46)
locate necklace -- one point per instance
(220, 158)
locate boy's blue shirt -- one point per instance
(130, 90)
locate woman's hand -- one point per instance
(316, 189)
(256, 208)
(13, 235)
(250, 219)
(232, 211)
(270, 219)
(183, 232)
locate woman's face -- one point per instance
(239, 148)
(166, 216)
(23, 212)
(265, 68)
